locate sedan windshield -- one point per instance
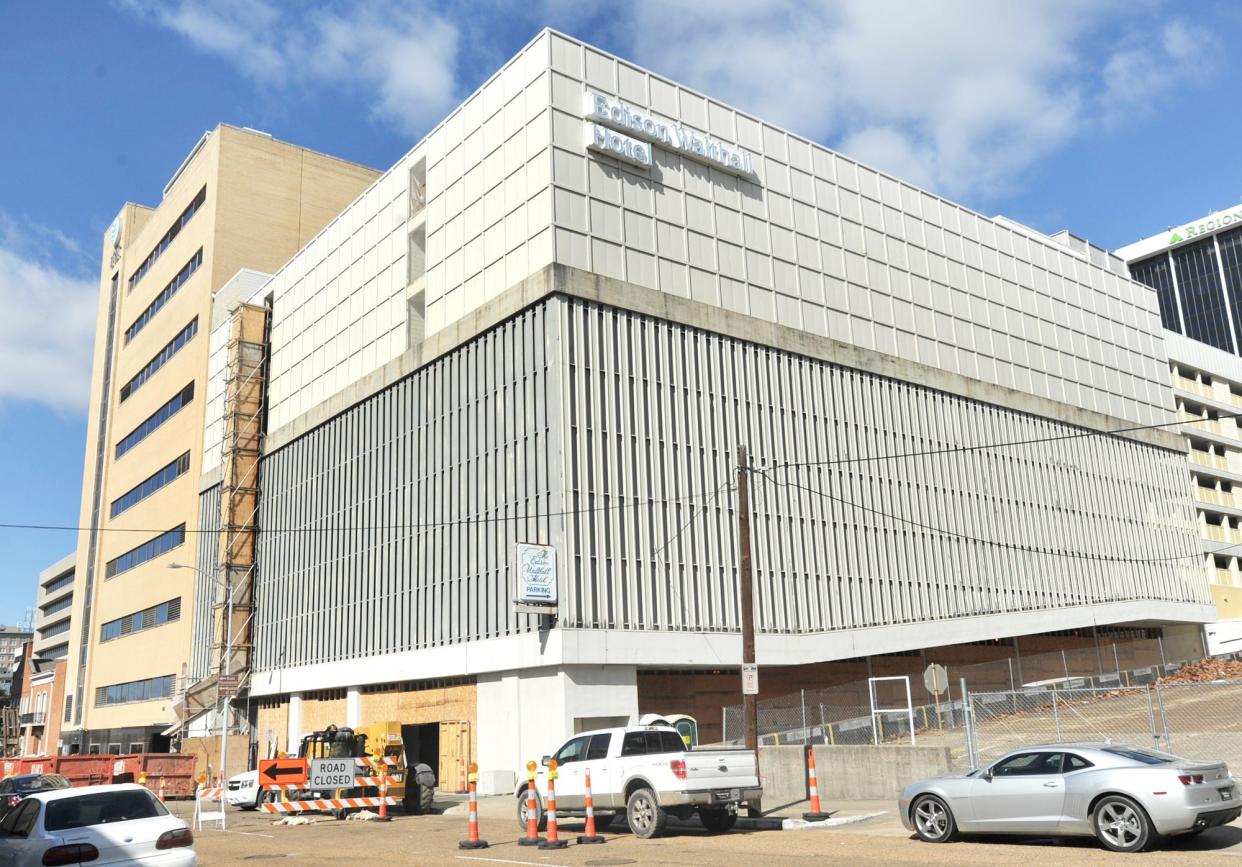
(1138, 754)
(101, 808)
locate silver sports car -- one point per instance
(1126, 796)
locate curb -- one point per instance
(803, 825)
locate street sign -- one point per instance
(750, 679)
(331, 774)
(936, 679)
(274, 771)
(228, 685)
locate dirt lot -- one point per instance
(432, 840)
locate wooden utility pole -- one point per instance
(750, 703)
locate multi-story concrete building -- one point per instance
(239, 200)
(12, 645)
(1196, 272)
(54, 609)
(553, 323)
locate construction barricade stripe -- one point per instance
(329, 804)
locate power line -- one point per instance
(648, 501)
(1026, 549)
(693, 514)
(1001, 445)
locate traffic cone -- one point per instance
(383, 813)
(161, 790)
(473, 842)
(590, 836)
(532, 837)
(553, 841)
(816, 814)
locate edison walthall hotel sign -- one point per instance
(615, 113)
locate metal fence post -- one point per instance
(1065, 664)
(968, 717)
(1117, 663)
(806, 734)
(1168, 741)
(1151, 718)
(1056, 716)
(823, 726)
(1164, 663)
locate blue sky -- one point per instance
(1111, 119)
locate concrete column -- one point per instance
(528, 713)
(294, 735)
(353, 707)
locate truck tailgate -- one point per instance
(720, 769)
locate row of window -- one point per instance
(148, 550)
(147, 618)
(177, 226)
(155, 419)
(161, 358)
(57, 629)
(59, 605)
(165, 295)
(162, 477)
(136, 690)
(59, 584)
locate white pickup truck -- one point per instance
(646, 774)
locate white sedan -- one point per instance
(120, 824)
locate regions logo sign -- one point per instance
(1204, 227)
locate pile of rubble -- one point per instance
(1206, 671)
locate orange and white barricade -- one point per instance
(326, 805)
(208, 806)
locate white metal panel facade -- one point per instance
(817, 241)
(612, 436)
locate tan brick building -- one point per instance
(240, 200)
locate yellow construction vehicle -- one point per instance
(414, 787)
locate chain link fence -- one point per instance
(1193, 720)
(842, 714)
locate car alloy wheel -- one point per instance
(932, 820)
(1120, 826)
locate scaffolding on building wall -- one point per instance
(240, 448)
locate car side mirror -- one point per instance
(544, 761)
(987, 775)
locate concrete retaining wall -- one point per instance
(847, 772)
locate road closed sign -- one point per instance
(331, 774)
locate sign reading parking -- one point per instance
(331, 774)
(535, 578)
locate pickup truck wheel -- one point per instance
(717, 821)
(540, 816)
(644, 814)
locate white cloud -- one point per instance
(47, 321)
(403, 53)
(1146, 69)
